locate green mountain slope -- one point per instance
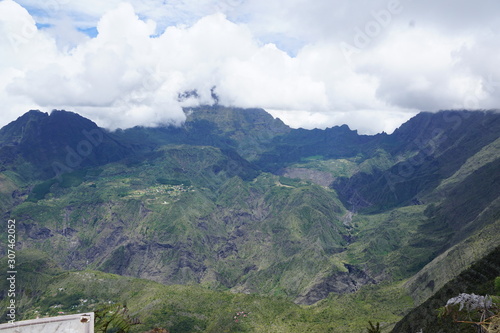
(249, 132)
(46, 289)
(39, 145)
(478, 278)
(235, 201)
(208, 227)
(427, 149)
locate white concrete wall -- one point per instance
(77, 323)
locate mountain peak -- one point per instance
(61, 138)
(13, 132)
(229, 119)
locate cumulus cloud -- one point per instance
(312, 64)
(129, 76)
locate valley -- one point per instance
(304, 230)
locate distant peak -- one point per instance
(37, 114)
(58, 113)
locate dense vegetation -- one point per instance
(304, 231)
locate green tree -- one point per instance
(374, 328)
(479, 311)
(114, 318)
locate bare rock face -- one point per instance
(34, 231)
(339, 283)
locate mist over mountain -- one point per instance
(234, 203)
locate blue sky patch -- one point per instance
(91, 32)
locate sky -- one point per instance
(370, 64)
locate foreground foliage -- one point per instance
(114, 318)
(480, 311)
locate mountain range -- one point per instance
(323, 229)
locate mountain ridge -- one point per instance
(215, 202)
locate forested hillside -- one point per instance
(304, 230)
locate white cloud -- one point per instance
(20, 45)
(415, 69)
(361, 120)
(126, 77)
(281, 56)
